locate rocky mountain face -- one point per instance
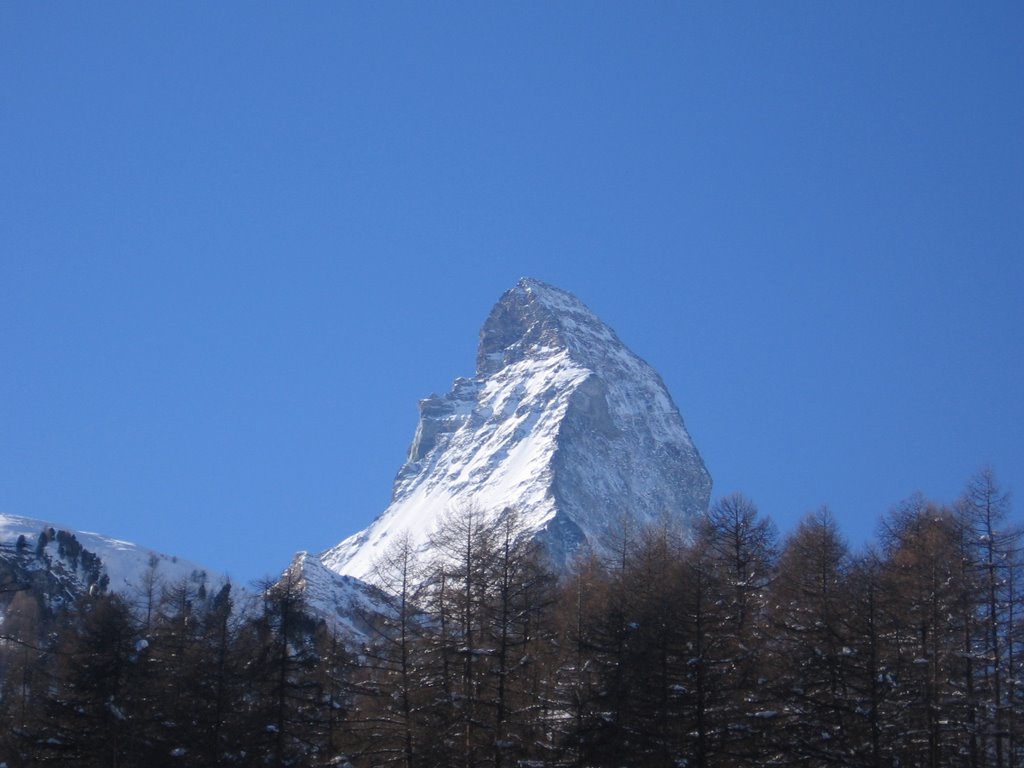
(561, 422)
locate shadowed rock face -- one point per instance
(561, 421)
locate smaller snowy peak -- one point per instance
(80, 559)
(343, 602)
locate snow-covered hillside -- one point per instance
(78, 559)
(561, 421)
(345, 603)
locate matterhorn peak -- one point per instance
(535, 318)
(561, 422)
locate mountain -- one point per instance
(561, 421)
(344, 602)
(58, 564)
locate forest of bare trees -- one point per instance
(719, 646)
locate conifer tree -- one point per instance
(90, 716)
(730, 567)
(924, 576)
(811, 643)
(991, 549)
(392, 716)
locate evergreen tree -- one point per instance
(990, 551)
(287, 715)
(464, 547)
(392, 717)
(730, 567)
(924, 577)
(811, 644)
(90, 716)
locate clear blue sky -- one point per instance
(239, 241)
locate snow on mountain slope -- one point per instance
(561, 421)
(122, 563)
(345, 603)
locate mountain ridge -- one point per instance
(59, 564)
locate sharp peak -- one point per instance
(534, 315)
(538, 300)
(544, 293)
(532, 283)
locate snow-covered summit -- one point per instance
(561, 421)
(534, 317)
